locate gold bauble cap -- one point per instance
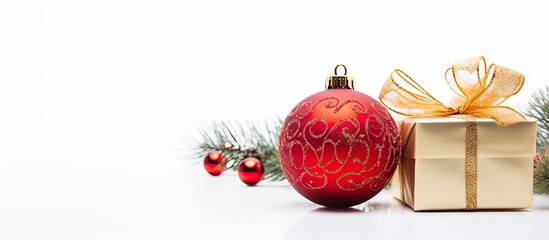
(340, 81)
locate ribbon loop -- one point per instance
(467, 77)
(479, 92)
(403, 95)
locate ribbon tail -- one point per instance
(503, 115)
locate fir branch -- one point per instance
(539, 109)
(541, 173)
(237, 142)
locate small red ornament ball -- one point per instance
(250, 171)
(214, 163)
(339, 147)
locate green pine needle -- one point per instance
(539, 109)
(237, 141)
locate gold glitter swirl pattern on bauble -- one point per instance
(339, 147)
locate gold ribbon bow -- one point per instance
(480, 91)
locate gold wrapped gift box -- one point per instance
(432, 173)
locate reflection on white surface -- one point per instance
(386, 218)
(325, 223)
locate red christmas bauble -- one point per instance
(250, 171)
(214, 163)
(339, 147)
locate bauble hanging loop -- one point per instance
(340, 81)
(344, 68)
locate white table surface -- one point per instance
(147, 191)
(276, 211)
(93, 95)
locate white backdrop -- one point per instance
(96, 96)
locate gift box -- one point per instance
(433, 172)
(471, 154)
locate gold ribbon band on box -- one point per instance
(471, 165)
(479, 93)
